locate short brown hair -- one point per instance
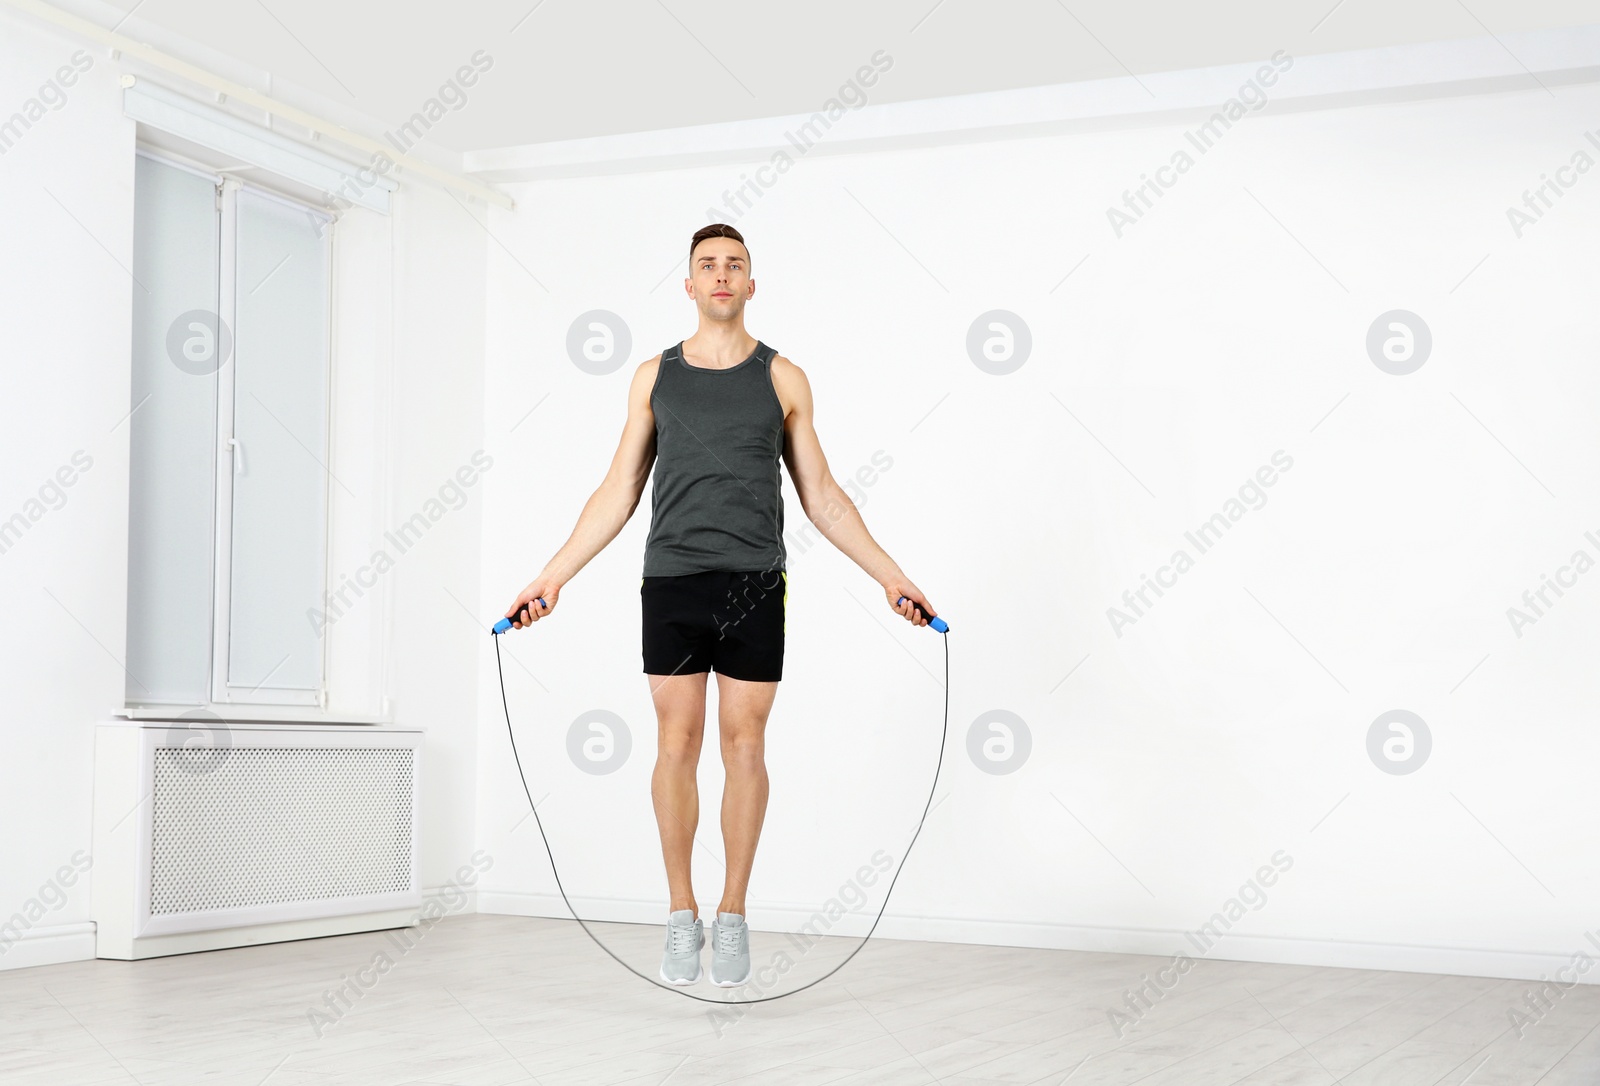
(716, 230)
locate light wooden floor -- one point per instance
(486, 1000)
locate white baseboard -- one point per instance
(60, 943)
(1267, 949)
(57, 944)
(50, 945)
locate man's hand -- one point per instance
(525, 610)
(894, 589)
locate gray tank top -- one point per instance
(717, 502)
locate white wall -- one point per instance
(1227, 723)
(65, 304)
(408, 407)
(437, 432)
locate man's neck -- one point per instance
(721, 343)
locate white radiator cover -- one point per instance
(245, 833)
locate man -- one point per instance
(713, 415)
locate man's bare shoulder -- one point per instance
(785, 364)
(784, 371)
(790, 382)
(641, 390)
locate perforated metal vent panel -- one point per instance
(242, 827)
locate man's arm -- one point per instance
(607, 509)
(825, 503)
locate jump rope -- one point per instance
(935, 623)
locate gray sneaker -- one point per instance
(680, 962)
(730, 951)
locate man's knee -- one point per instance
(678, 745)
(743, 748)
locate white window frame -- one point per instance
(229, 458)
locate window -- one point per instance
(228, 517)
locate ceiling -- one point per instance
(564, 69)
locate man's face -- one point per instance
(719, 278)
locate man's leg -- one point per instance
(680, 702)
(742, 710)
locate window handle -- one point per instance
(238, 455)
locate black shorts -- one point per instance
(722, 620)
